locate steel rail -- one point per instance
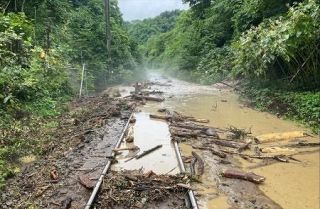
(192, 198)
(106, 168)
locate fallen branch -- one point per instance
(200, 163)
(125, 149)
(156, 99)
(304, 144)
(280, 158)
(161, 117)
(212, 150)
(184, 134)
(148, 151)
(236, 174)
(226, 143)
(86, 182)
(199, 120)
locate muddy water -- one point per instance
(149, 133)
(292, 185)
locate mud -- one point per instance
(84, 141)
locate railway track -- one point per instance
(190, 197)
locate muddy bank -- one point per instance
(74, 159)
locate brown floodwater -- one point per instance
(291, 185)
(149, 133)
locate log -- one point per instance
(304, 144)
(199, 120)
(227, 143)
(211, 132)
(151, 92)
(190, 125)
(161, 117)
(184, 134)
(156, 99)
(280, 158)
(199, 162)
(236, 174)
(148, 151)
(280, 136)
(86, 182)
(125, 149)
(212, 150)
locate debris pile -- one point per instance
(133, 189)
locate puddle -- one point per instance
(149, 133)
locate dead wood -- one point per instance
(303, 144)
(199, 162)
(190, 134)
(148, 98)
(161, 117)
(126, 149)
(86, 182)
(227, 143)
(148, 151)
(212, 150)
(189, 125)
(280, 158)
(151, 92)
(236, 174)
(199, 120)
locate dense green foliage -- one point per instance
(43, 44)
(269, 42)
(142, 30)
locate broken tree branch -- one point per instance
(148, 151)
(236, 174)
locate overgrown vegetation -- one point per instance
(43, 45)
(274, 44)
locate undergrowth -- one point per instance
(24, 133)
(301, 106)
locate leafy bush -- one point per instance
(215, 66)
(286, 47)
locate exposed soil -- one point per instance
(83, 142)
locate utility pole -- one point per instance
(108, 26)
(82, 75)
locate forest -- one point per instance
(43, 46)
(270, 47)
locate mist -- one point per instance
(141, 9)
